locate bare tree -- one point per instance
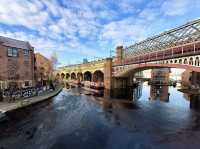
(54, 63)
(54, 60)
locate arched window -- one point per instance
(67, 76)
(197, 61)
(191, 61)
(62, 75)
(80, 76)
(185, 61)
(73, 76)
(180, 61)
(87, 76)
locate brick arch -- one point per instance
(141, 67)
(185, 61)
(98, 76)
(62, 75)
(180, 61)
(58, 76)
(197, 61)
(67, 76)
(191, 61)
(87, 76)
(73, 76)
(80, 76)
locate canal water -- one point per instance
(157, 117)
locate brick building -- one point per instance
(16, 63)
(44, 69)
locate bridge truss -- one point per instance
(190, 32)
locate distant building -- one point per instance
(43, 71)
(160, 75)
(119, 55)
(85, 60)
(16, 63)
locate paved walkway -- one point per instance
(5, 106)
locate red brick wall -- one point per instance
(16, 69)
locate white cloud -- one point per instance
(176, 7)
(88, 27)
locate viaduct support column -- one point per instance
(108, 77)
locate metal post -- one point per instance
(182, 50)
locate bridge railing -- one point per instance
(174, 52)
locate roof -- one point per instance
(14, 43)
(38, 55)
(186, 33)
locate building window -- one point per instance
(26, 52)
(26, 83)
(12, 52)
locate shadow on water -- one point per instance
(20, 118)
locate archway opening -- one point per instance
(73, 76)
(98, 76)
(191, 61)
(87, 76)
(180, 61)
(67, 76)
(197, 61)
(62, 75)
(185, 61)
(57, 76)
(80, 76)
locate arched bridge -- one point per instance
(176, 48)
(87, 74)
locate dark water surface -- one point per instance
(75, 121)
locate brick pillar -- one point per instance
(108, 73)
(108, 77)
(119, 55)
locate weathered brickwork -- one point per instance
(16, 70)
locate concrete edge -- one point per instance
(32, 101)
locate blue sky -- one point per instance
(77, 29)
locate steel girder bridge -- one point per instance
(178, 47)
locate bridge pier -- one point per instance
(195, 102)
(107, 77)
(191, 79)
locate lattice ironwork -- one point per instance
(189, 32)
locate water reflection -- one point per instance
(167, 94)
(75, 120)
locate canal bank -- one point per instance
(8, 107)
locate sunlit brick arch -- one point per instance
(58, 76)
(139, 67)
(87, 76)
(73, 76)
(62, 75)
(67, 76)
(80, 76)
(98, 76)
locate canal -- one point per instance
(156, 118)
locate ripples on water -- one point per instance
(73, 120)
